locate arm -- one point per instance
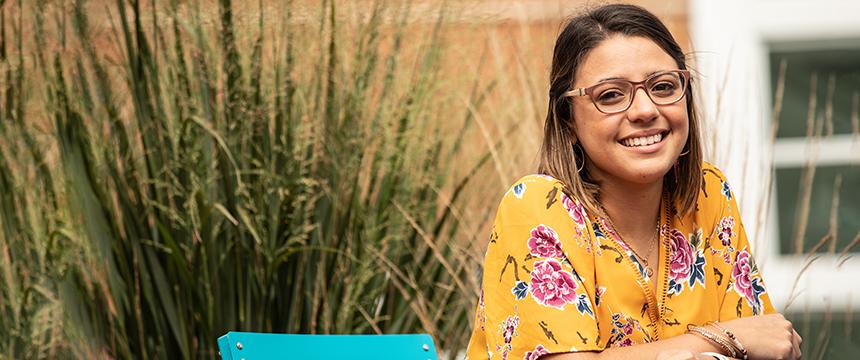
(653, 350)
(764, 336)
(538, 287)
(746, 309)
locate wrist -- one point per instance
(701, 344)
(741, 350)
(713, 356)
(722, 341)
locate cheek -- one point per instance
(678, 118)
(584, 120)
(682, 123)
(591, 134)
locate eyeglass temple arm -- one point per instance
(575, 92)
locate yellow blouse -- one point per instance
(558, 279)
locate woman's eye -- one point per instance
(664, 86)
(610, 96)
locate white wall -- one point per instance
(730, 40)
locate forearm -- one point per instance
(650, 350)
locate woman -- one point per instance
(627, 245)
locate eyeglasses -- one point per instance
(615, 96)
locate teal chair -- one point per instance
(254, 346)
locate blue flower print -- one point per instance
(726, 191)
(520, 290)
(758, 289)
(583, 305)
(519, 190)
(674, 287)
(697, 273)
(597, 231)
(639, 266)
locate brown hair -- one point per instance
(560, 155)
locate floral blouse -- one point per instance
(558, 279)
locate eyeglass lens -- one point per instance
(616, 95)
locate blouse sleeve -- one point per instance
(538, 281)
(744, 290)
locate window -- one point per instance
(818, 125)
(741, 44)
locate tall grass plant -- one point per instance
(181, 172)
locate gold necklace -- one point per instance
(648, 270)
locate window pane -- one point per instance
(842, 65)
(788, 191)
(836, 335)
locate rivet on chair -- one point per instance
(239, 345)
(425, 347)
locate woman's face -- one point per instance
(606, 138)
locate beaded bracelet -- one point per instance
(724, 343)
(732, 337)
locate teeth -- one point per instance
(643, 141)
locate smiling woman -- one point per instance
(625, 244)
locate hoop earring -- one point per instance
(685, 152)
(677, 174)
(578, 153)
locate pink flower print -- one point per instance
(509, 328)
(574, 209)
(544, 243)
(741, 274)
(627, 328)
(536, 353)
(622, 328)
(681, 261)
(552, 286)
(726, 230)
(482, 310)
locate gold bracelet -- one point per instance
(732, 337)
(724, 343)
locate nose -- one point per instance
(641, 107)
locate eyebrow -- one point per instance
(620, 78)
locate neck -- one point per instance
(633, 208)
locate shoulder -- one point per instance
(529, 186)
(536, 195)
(716, 199)
(714, 183)
(712, 170)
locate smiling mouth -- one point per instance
(644, 140)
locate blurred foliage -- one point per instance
(188, 177)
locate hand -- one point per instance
(766, 336)
(681, 355)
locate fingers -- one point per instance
(796, 340)
(676, 355)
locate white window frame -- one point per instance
(730, 43)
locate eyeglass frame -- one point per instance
(587, 91)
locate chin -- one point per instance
(648, 175)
